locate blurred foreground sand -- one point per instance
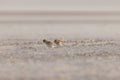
(29, 59)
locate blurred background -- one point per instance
(80, 18)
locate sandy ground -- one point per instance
(91, 51)
(85, 59)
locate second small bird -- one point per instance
(58, 42)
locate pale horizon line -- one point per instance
(59, 12)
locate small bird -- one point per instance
(58, 42)
(48, 43)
